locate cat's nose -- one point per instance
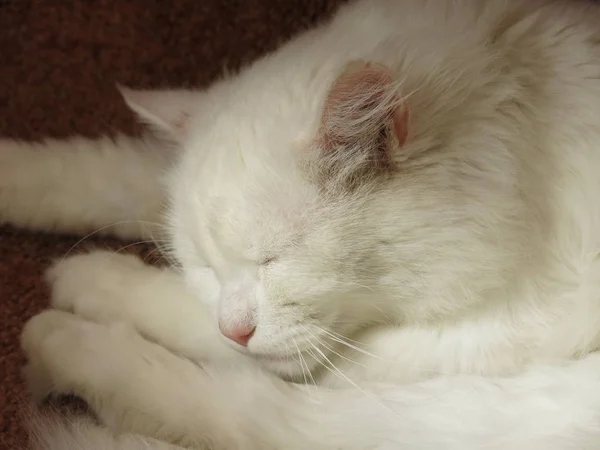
(240, 334)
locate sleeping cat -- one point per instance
(385, 235)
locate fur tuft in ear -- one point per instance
(364, 121)
(166, 110)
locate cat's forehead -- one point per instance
(250, 180)
(252, 214)
(260, 200)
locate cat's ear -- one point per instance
(365, 121)
(168, 111)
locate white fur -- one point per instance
(452, 304)
(109, 186)
(53, 432)
(134, 385)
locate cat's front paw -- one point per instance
(95, 285)
(67, 354)
(37, 377)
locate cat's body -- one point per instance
(428, 211)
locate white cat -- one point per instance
(401, 207)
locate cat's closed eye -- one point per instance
(268, 260)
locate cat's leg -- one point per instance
(138, 386)
(495, 341)
(108, 287)
(133, 385)
(82, 185)
(410, 353)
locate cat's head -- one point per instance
(310, 235)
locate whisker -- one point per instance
(333, 369)
(333, 351)
(101, 229)
(153, 251)
(341, 336)
(333, 366)
(133, 244)
(342, 340)
(304, 366)
(301, 363)
(165, 254)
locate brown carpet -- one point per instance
(59, 62)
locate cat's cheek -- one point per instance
(284, 279)
(272, 280)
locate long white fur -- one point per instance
(453, 305)
(110, 185)
(54, 432)
(138, 386)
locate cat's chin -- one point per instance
(290, 367)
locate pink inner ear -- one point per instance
(358, 81)
(401, 122)
(356, 77)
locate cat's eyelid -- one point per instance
(268, 260)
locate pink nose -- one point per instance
(239, 334)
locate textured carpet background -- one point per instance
(59, 61)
